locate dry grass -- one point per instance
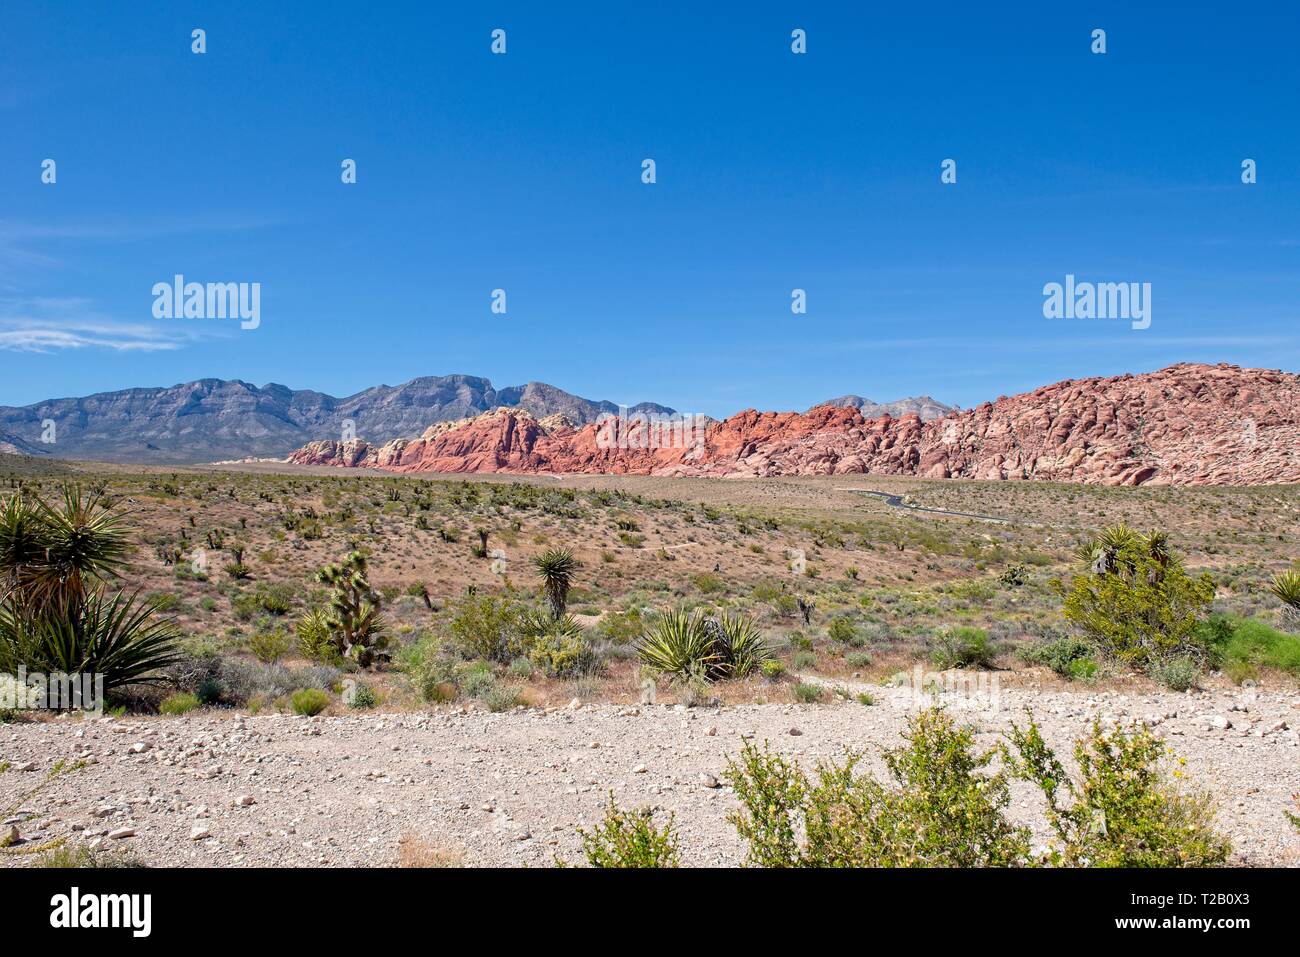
(415, 851)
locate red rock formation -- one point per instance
(1185, 425)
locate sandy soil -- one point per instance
(217, 789)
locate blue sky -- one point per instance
(523, 172)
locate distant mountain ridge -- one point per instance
(924, 406)
(212, 419)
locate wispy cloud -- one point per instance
(56, 325)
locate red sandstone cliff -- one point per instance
(1184, 425)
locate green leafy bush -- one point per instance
(489, 627)
(807, 693)
(361, 697)
(1123, 809)
(962, 647)
(270, 646)
(1136, 603)
(559, 647)
(630, 839)
(1059, 654)
(942, 807)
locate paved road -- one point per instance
(897, 502)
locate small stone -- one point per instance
(140, 747)
(639, 769)
(796, 732)
(201, 832)
(245, 800)
(25, 766)
(575, 704)
(709, 781)
(10, 837)
(119, 833)
(711, 731)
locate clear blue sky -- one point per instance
(522, 171)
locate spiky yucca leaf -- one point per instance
(1286, 588)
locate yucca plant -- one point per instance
(683, 645)
(742, 646)
(1286, 588)
(116, 636)
(678, 645)
(56, 613)
(557, 566)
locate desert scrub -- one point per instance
(180, 703)
(807, 693)
(309, 701)
(1135, 602)
(1176, 674)
(485, 626)
(962, 647)
(630, 839)
(1062, 655)
(941, 808)
(1123, 809)
(269, 647)
(559, 647)
(360, 696)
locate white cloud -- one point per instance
(55, 325)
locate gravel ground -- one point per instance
(217, 789)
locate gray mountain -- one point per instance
(924, 406)
(215, 419)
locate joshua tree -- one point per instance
(557, 566)
(353, 616)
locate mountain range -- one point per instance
(221, 419)
(1188, 424)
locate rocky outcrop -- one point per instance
(1184, 425)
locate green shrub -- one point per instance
(962, 647)
(803, 661)
(1123, 809)
(500, 697)
(361, 697)
(630, 839)
(309, 701)
(559, 647)
(180, 703)
(1136, 603)
(841, 629)
(270, 646)
(1060, 654)
(1250, 644)
(857, 659)
(943, 808)
(807, 693)
(1176, 674)
(772, 669)
(485, 626)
